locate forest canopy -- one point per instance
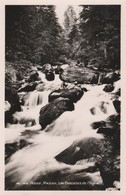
(33, 33)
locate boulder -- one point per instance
(28, 87)
(74, 94)
(108, 88)
(84, 148)
(33, 76)
(53, 110)
(97, 125)
(50, 76)
(47, 68)
(80, 74)
(110, 77)
(111, 126)
(58, 70)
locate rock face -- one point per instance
(12, 97)
(74, 94)
(53, 110)
(81, 75)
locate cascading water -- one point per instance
(37, 160)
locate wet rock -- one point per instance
(40, 87)
(79, 74)
(110, 77)
(33, 76)
(108, 88)
(106, 131)
(50, 76)
(74, 94)
(27, 87)
(110, 126)
(58, 70)
(53, 110)
(98, 124)
(84, 148)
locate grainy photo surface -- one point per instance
(62, 97)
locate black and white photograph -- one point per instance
(62, 104)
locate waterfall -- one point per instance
(31, 109)
(37, 98)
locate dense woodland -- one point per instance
(34, 34)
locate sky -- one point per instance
(61, 8)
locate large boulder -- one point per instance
(80, 74)
(74, 94)
(84, 148)
(53, 110)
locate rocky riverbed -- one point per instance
(63, 130)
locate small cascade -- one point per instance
(49, 85)
(30, 114)
(37, 98)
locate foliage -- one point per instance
(32, 33)
(100, 29)
(69, 19)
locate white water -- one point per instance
(27, 164)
